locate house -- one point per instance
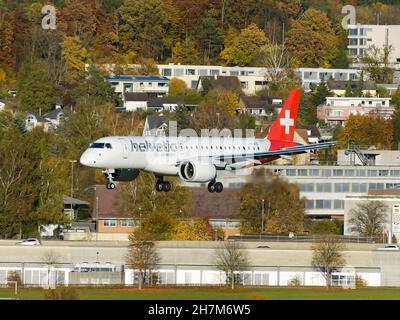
(49, 121)
(141, 100)
(228, 83)
(155, 85)
(336, 110)
(2, 104)
(313, 133)
(113, 223)
(260, 105)
(155, 125)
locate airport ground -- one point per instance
(214, 293)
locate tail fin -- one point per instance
(285, 124)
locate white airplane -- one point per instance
(195, 159)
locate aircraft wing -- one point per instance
(276, 153)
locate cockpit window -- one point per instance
(96, 145)
(108, 146)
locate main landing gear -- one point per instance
(162, 185)
(215, 186)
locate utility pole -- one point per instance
(262, 216)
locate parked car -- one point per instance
(29, 242)
(264, 246)
(389, 247)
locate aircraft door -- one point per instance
(125, 150)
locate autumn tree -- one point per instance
(75, 56)
(192, 229)
(367, 130)
(217, 110)
(157, 225)
(311, 39)
(327, 255)
(185, 52)
(241, 49)
(177, 88)
(283, 207)
(368, 218)
(230, 258)
(142, 27)
(142, 256)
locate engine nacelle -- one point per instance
(124, 174)
(195, 171)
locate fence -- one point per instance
(303, 238)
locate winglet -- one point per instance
(285, 124)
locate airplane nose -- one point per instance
(85, 159)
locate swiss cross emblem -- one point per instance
(287, 121)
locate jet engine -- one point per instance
(195, 171)
(124, 174)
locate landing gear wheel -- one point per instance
(211, 186)
(218, 187)
(159, 186)
(110, 186)
(166, 186)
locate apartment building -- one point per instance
(154, 85)
(336, 110)
(363, 36)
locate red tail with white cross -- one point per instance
(285, 124)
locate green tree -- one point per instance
(377, 65)
(34, 88)
(311, 39)
(242, 49)
(349, 90)
(283, 207)
(307, 110)
(212, 37)
(358, 91)
(324, 227)
(320, 92)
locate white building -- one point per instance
(2, 105)
(134, 101)
(363, 36)
(155, 85)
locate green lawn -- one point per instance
(216, 294)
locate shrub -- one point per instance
(295, 281)
(324, 227)
(361, 282)
(14, 276)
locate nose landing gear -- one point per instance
(215, 186)
(110, 186)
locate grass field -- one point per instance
(215, 294)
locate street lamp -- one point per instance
(262, 217)
(72, 180)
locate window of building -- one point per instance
(376, 186)
(353, 42)
(372, 173)
(306, 187)
(352, 52)
(127, 223)
(244, 84)
(178, 72)
(302, 172)
(167, 72)
(393, 186)
(314, 172)
(342, 187)
(191, 72)
(323, 204)
(309, 204)
(349, 173)
(110, 223)
(360, 173)
(359, 187)
(353, 32)
(290, 172)
(395, 173)
(383, 173)
(214, 72)
(203, 72)
(324, 187)
(337, 172)
(338, 204)
(326, 172)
